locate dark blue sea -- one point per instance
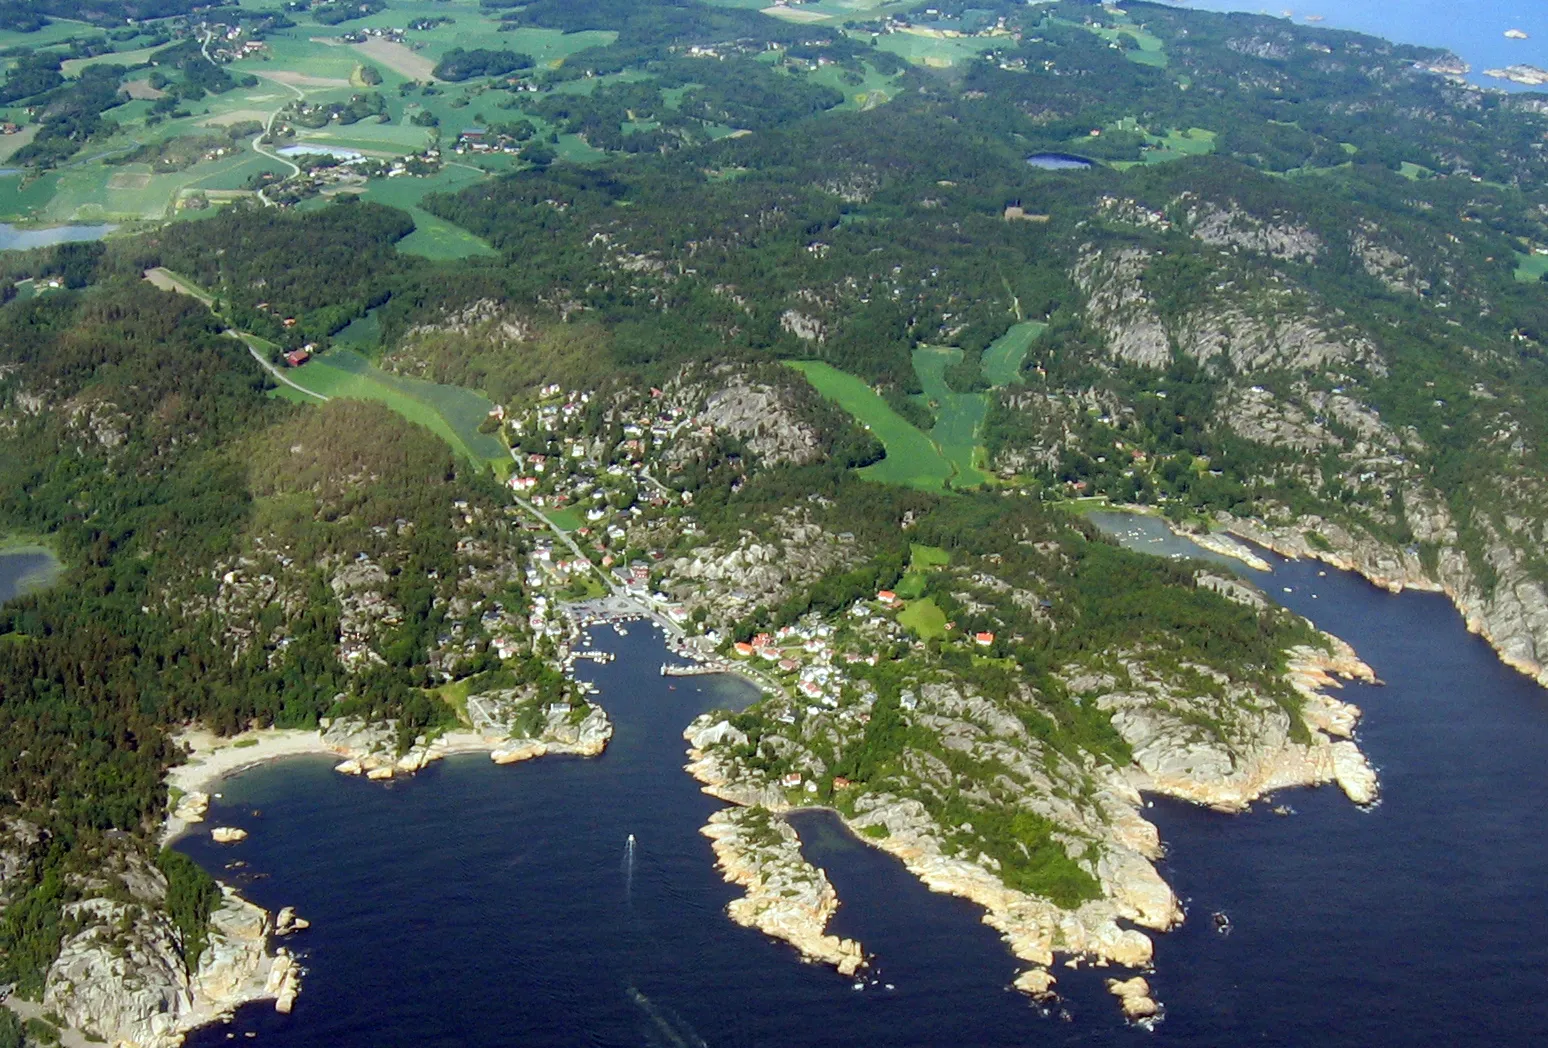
(478, 905)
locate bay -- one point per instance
(1476, 32)
(485, 905)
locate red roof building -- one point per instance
(296, 357)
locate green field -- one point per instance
(432, 237)
(923, 561)
(932, 51)
(873, 90)
(364, 334)
(958, 416)
(1175, 144)
(1002, 361)
(924, 619)
(452, 412)
(1530, 268)
(567, 519)
(1151, 52)
(912, 460)
(924, 558)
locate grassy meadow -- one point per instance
(912, 460)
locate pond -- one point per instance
(25, 569)
(18, 238)
(1059, 162)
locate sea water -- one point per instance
(480, 905)
(1475, 31)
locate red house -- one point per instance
(296, 357)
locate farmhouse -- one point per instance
(296, 357)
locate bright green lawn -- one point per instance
(912, 460)
(567, 519)
(874, 89)
(958, 416)
(924, 619)
(1002, 361)
(934, 52)
(923, 558)
(1531, 267)
(432, 237)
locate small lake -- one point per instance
(20, 238)
(1059, 162)
(25, 569)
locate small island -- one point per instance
(1527, 75)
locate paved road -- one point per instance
(279, 376)
(295, 169)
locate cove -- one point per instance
(485, 905)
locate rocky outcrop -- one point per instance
(786, 897)
(1238, 762)
(560, 733)
(227, 835)
(1211, 741)
(1033, 928)
(762, 416)
(1134, 997)
(122, 978)
(1250, 332)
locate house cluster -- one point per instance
(807, 657)
(605, 478)
(360, 36)
(482, 140)
(227, 43)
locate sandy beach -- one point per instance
(213, 758)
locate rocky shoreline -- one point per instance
(1104, 931)
(1513, 619)
(786, 897)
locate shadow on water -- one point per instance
(485, 905)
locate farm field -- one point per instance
(874, 90)
(958, 416)
(432, 237)
(1002, 361)
(1531, 267)
(451, 412)
(1174, 144)
(923, 560)
(912, 460)
(933, 51)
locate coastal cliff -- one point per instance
(123, 975)
(786, 897)
(1511, 615)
